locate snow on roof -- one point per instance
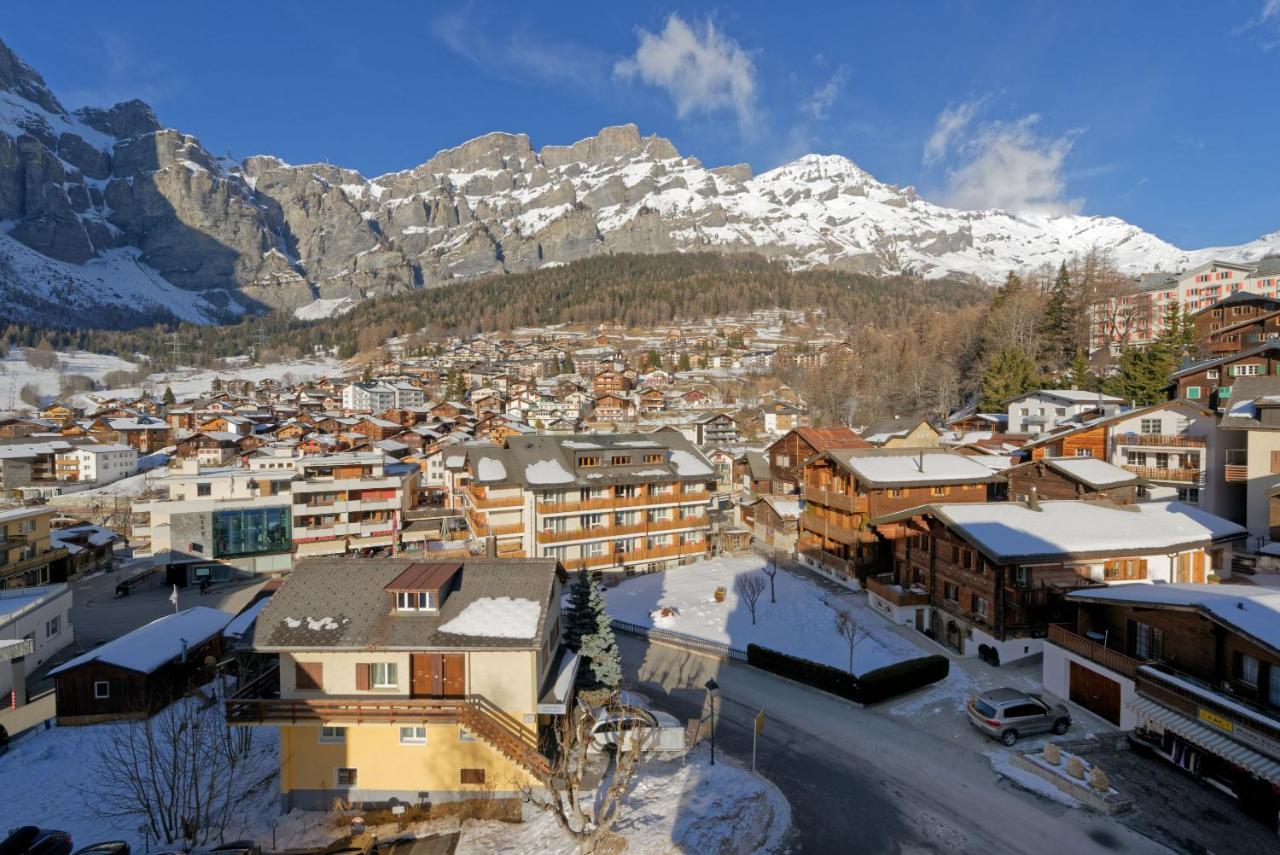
(687, 464)
(938, 467)
(157, 643)
(496, 617)
(1252, 609)
(241, 623)
(1082, 396)
(547, 472)
(1091, 471)
(784, 506)
(21, 599)
(1011, 530)
(490, 469)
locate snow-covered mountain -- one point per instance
(106, 218)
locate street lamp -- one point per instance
(713, 689)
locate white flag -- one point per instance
(173, 598)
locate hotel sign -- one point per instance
(1244, 735)
(1210, 717)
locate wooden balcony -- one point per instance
(480, 498)
(1160, 440)
(19, 567)
(1063, 636)
(612, 503)
(833, 531)
(1235, 473)
(885, 588)
(1152, 473)
(612, 559)
(621, 530)
(840, 501)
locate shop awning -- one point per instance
(560, 680)
(1209, 740)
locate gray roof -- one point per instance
(349, 593)
(549, 462)
(1246, 394)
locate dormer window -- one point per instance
(417, 601)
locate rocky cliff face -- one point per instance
(109, 219)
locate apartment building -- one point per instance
(35, 624)
(616, 502)
(380, 397)
(1045, 409)
(420, 682)
(28, 556)
(1236, 322)
(988, 579)
(1210, 381)
(96, 463)
(843, 489)
(236, 517)
(1250, 430)
(1192, 671)
(351, 503)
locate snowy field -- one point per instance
(801, 622)
(186, 383)
(681, 807)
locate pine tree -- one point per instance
(1010, 373)
(1011, 286)
(168, 398)
(1079, 376)
(580, 621)
(1057, 324)
(1142, 375)
(600, 647)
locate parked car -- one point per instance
(110, 847)
(29, 840)
(618, 726)
(1006, 714)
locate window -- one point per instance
(939, 491)
(1247, 669)
(1190, 495)
(1193, 393)
(1151, 426)
(383, 675)
(783, 460)
(1084, 452)
(589, 461)
(951, 592)
(414, 735)
(653, 458)
(333, 735)
(416, 601)
(1136, 458)
(251, 531)
(345, 778)
(1147, 641)
(52, 627)
(1273, 685)
(1248, 370)
(980, 606)
(465, 736)
(204, 489)
(895, 492)
(101, 689)
(472, 776)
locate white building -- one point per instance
(102, 464)
(35, 623)
(380, 397)
(1043, 410)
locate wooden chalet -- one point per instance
(788, 453)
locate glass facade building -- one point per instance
(251, 531)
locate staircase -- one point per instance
(509, 738)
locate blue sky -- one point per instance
(1163, 113)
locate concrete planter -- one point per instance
(1110, 803)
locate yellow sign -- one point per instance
(1216, 720)
(759, 722)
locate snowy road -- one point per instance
(862, 780)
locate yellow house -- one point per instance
(409, 680)
(27, 555)
(900, 432)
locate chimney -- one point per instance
(491, 546)
(1033, 500)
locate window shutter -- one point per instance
(308, 675)
(362, 676)
(1275, 462)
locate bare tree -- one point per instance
(183, 772)
(770, 569)
(850, 630)
(586, 813)
(749, 587)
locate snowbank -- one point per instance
(496, 617)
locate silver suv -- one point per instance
(1006, 714)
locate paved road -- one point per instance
(860, 780)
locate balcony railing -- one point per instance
(884, 587)
(841, 501)
(480, 498)
(657, 553)
(610, 503)
(1153, 473)
(834, 564)
(620, 530)
(1165, 440)
(1235, 473)
(833, 531)
(1094, 651)
(17, 567)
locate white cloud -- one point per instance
(1008, 165)
(703, 71)
(952, 122)
(818, 105)
(1270, 9)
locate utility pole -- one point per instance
(176, 350)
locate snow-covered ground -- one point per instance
(190, 382)
(16, 373)
(684, 807)
(801, 622)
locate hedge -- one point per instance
(870, 688)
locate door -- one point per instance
(438, 675)
(919, 620)
(1094, 692)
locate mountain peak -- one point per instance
(25, 82)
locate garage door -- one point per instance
(1095, 692)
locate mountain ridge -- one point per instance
(109, 219)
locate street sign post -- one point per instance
(755, 734)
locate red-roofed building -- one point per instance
(788, 454)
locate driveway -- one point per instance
(868, 780)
